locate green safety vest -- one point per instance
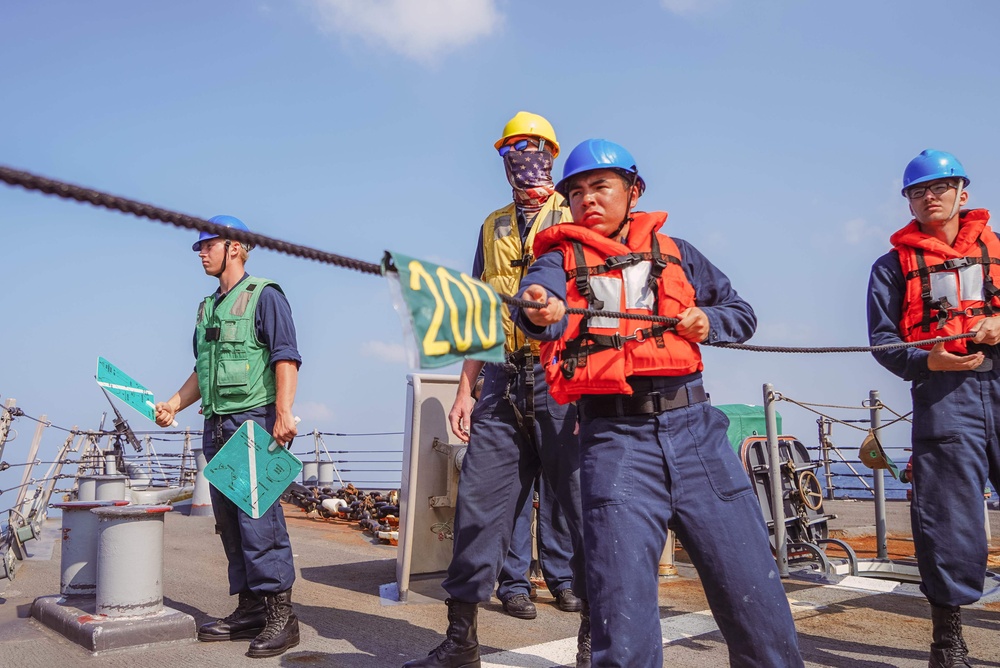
(234, 370)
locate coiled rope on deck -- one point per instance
(97, 198)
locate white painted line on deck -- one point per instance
(678, 627)
(867, 584)
(563, 652)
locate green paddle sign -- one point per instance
(450, 314)
(252, 470)
(129, 390)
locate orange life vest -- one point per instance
(949, 288)
(598, 355)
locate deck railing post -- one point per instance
(775, 471)
(875, 409)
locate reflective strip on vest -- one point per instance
(502, 246)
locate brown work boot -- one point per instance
(583, 636)
(282, 630)
(948, 649)
(243, 623)
(460, 648)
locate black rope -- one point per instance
(374, 433)
(31, 181)
(600, 313)
(97, 198)
(842, 349)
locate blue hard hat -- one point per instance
(598, 154)
(932, 165)
(228, 221)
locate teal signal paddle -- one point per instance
(252, 470)
(126, 388)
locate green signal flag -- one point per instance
(126, 388)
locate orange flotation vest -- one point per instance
(949, 288)
(599, 354)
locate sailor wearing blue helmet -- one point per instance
(940, 279)
(246, 369)
(653, 452)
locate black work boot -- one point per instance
(948, 649)
(583, 636)
(281, 632)
(568, 601)
(245, 622)
(460, 648)
(520, 606)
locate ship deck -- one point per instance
(346, 621)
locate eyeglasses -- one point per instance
(917, 192)
(521, 144)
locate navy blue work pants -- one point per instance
(258, 550)
(555, 548)
(497, 480)
(955, 451)
(639, 476)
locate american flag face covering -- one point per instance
(530, 174)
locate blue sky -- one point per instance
(774, 132)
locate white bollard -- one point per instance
(325, 474)
(310, 474)
(130, 560)
(201, 498)
(110, 488)
(78, 552)
(86, 488)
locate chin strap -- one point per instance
(225, 258)
(628, 210)
(958, 199)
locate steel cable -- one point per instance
(30, 181)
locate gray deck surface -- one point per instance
(345, 622)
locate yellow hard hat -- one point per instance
(533, 125)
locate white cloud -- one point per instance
(387, 352)
(419, 29)
(858, 231)
(313, 411)
(690, 7)
(783, 333)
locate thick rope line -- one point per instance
(97, 198)
(842, 349)
(30, 181)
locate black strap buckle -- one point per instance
(213, 333)
(957, 262)
(626, 260)
(523, 262)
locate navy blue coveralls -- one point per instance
(955, 447)
(499, 471)
(555, 548)
(259, 551)
(641, 475)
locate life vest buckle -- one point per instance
(957, 263)
(523, 262)
(627, 260)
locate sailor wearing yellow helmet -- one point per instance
(515, 430)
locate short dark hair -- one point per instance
(628, 178)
